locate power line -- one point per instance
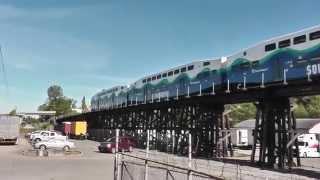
(4, 71)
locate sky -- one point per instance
(87, 45)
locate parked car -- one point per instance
(46, 135)
(30, 135)
(305, 150)
(126, 143)
(55, 144)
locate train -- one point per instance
(292, 58)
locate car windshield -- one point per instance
(110, 140)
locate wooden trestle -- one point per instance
(275, 127)
(170, 126)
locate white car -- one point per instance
(47, 135)
(55, 144)
(33, 134)
(306, 151)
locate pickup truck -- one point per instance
(46, 135)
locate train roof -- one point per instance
(110, 90)
(278, 38)
(179, 66)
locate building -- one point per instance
(242, 133)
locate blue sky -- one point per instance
(87, 45)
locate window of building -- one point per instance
(270, 47)
(159, 76)
(149, 79)
(154, 78)
(299, 39)
(176, 71)
(170, 73)
(206, 63)
(144, 81)
(284, 43)
(190, 68)
(184, 69)
(164, 75)
(314, 35)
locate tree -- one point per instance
(13, 112)
(55, 92)
(241, 112)
(84, 105)
(307, 107)
(57, 102)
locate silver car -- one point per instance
(55, 144)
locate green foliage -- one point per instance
(241, 112)
(55, 92)
(301, 112)
(13, 112)
(308, 107)
(84, 105)
(58, 102)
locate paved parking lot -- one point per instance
(90, 165)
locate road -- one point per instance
(92, 165)
(89, 165)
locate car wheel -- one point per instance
(130, 149)
(42, 147)
(305, 154)
(113, 150)
(66, 148)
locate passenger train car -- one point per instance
(284, 59)
(109, 98)
(292, 58)
(183, 80)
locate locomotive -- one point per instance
(292, 58)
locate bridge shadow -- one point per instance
(294, 170)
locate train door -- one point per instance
(182, 87)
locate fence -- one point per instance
(136, 168)
(153, 165)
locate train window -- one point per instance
(244, 53)
(190, 68)
(176, 71)
(164, 75)
(149, 79)
(154, 78)
(170, 73)
(270, 47)
(159, 76)
(314, 35)
(144, 81)
(255, 63)
(206, 63)
(245, 65)
(284, 43)
(299, 39)
(184, 69)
